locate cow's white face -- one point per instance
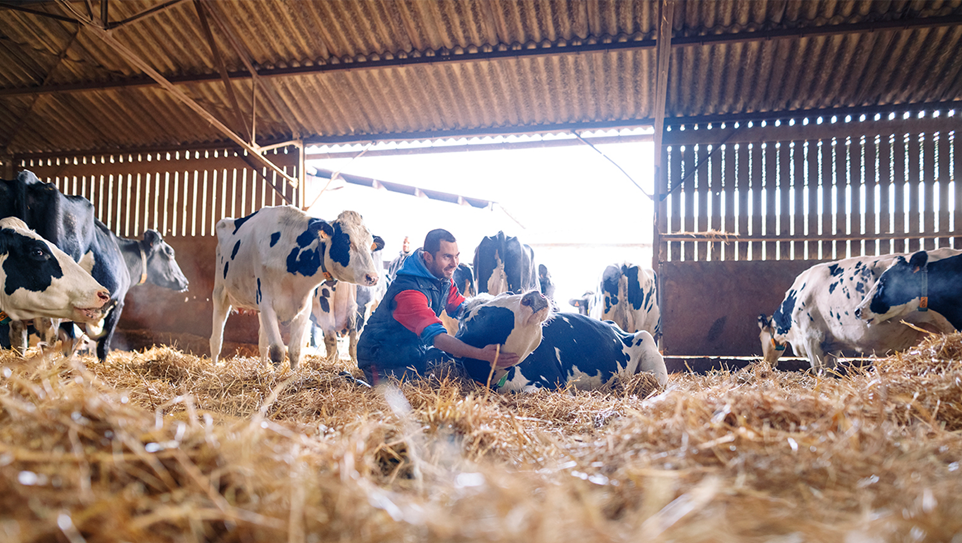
(39, 280)
(348, 255)
(773, 346)
(511, 320)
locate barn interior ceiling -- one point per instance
(94, 76)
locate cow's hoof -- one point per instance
(276, 354)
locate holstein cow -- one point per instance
(513, 321)
(575, 349)
(817, 316)
(920, 285)
(626, 295)
(503, 264)
(274, 259)
(463, 279)
(341, 309)
(39, 280)
(547, 285)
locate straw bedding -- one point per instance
(160, 445)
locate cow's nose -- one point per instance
(103, 295)
(371, 279)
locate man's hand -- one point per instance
(504, 359)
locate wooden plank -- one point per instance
(927, 180)
(943, 224)
(885, 184)
(688, 217)
(742, 182)
(771, 202)
(842, 184)
(730, 251)
(757, 180)
(674, 201)
(914, 181)
(811, 251)
(898, 202)
(701, 213)
(871, 198)
(799, 195)
(715, 218)
(828, 198)
(855, 195)
(957, 178)
(785, 189)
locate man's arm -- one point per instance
(460, 349)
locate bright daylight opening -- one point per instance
(574, 207)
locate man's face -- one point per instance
(443, 263)
(406, 245)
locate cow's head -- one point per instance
(40, 280)
(547, 285)
(511, 320)
(773, 344)
(160, 265)
(897, 292)
(583, 304)
(348, 251)
(464, 280)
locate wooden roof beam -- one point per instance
(241, 124)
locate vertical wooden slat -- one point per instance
(885, 185)
(674, 200)
(757, 183)
(955, 158)
(914, 182)
(812, 174)
(828, 198)
(732, 210)
(771, 201)
(743, 184)
(842, 186)
(927, 180)
(715, 218)
(898, 182)
(688, 217)
(190, 200)
(799, 196)
(871, 198)
(942, 220)
(785, 189)
(702, 175)
(855, 248)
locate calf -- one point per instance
(504, 264)
(628, 296)
(817, 316)
(274, 259)
(463, 279)
(921, 285)
(39, 280)
(341, 309)
(511, 320)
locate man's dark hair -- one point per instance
(432, 241)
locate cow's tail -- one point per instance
(627, 316)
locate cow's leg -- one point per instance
(330, 344)
(352, 349)
(299, 327)
(110, 324)
(270, 341)
(18, 337)
(221, 310)
(47, 330)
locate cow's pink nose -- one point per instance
(371, 279)
(103, 295)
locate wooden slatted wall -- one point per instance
(810, 189)
(179, 194)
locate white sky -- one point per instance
(563, 195)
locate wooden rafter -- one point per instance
(135, 60)
(241, 124)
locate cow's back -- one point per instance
(628, 295)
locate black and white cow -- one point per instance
(341, 309)
(41, 281)
(504, 264)
(463, 279)
(817, 316)
(273, 260)
(626, 295)
(547, 284)
(513, 321)
(918, 286)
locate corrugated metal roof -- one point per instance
(370, 69)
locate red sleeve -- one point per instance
(413, 312)
(454, 301)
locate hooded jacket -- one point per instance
(402, 329)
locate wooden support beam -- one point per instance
(241, 124)
(663, 56)
(140, 63)
(258, 82)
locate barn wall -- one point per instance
(745, 207)
(182, 195)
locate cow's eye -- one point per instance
(38, 254)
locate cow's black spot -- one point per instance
(831, 287)
(860, 287)
(226, 265)
(835, 270)
(233, 253)
(257, 296)
(30, 264)
(325, 305)
(240, 222)
(340, 246)
(275, 237)
(636, 295)
(783, 317)
(305, 262)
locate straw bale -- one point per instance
(160, 445)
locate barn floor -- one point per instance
(159, 445)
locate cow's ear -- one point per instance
(322, 228)
(918, 261)
(378, 244)
(152, 237)
(763, 321)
